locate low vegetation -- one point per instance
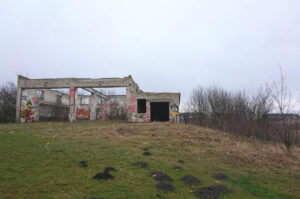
(107, 160)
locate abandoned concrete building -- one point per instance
(38, 101)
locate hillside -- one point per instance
(60, 160)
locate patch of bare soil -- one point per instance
(190, 180)
(160, 176)
(142, 164)
(105, 175)
(211, 192)
(165, 186)
(220, 176)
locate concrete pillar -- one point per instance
(93, 103)
(72, 107)
(18, 104)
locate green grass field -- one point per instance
(41, 160)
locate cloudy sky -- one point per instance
(166, 45)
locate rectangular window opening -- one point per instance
(141, 105)
(40, 94)
(58, 99)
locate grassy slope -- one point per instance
(41, 160)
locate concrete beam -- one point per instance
(94, 91)
(73, 83)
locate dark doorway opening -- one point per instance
(159, 111)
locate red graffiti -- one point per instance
(136, 120)
(148, 109)
(147, 115)
(133, 99)
(72, 93)
(146, 120)
(33, 100)
(132, 108)
(82, 112)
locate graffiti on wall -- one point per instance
(82, 114)
(27, 110)
(143, 117)
(72, 93)
(174, 110)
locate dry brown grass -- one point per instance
(241, 150)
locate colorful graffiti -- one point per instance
(82, 114)
(174, 110)
(140, 116)
(27, 111)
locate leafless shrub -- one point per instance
(237, 112)
(284, 103)
(8, 93)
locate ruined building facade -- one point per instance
(36, 102)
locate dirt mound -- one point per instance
(190, 180)
(211, 192)
(160, 176)
(165, 186)
(180, 161)
(145, 149)
(105, 175)
(178, 168)
(142, 164)
(220, 176)
(147, 153)
(83, 164)
(108, 169)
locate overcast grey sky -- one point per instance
(166, 45)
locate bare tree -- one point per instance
(8, 93)
(284, 103)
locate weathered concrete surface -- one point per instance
(123, 106)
